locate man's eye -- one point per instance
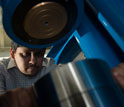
(25, 54)
(39, 54)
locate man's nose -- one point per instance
(32, 59)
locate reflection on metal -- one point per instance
(45, 20)
(86, 83)
(69, 87)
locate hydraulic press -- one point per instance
(70, 27)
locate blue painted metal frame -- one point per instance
(93, 48)
(112, 11)
(92, 41)
(88, 34)
(112, 31)
(9, 7)
(92, 44)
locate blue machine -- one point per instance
(97, 31)
(15, 11)
(99, 35)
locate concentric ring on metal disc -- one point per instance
(45, 20)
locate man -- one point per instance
(25, 67)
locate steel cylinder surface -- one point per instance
(86, 83)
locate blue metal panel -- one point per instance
(93, 42)
(110, 14)
(58, 49)
(66, 51)
(71, 50)
(3, 2)
(112, 31)
(95, 46)
(112, 10)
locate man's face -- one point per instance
(29, 61)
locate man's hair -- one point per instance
(14, 46)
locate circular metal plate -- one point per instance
(45, 20)
(44, 23)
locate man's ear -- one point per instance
(11, 53)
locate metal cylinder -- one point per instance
(86, 83)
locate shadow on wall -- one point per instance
(4, 52)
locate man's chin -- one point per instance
(32, 73)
